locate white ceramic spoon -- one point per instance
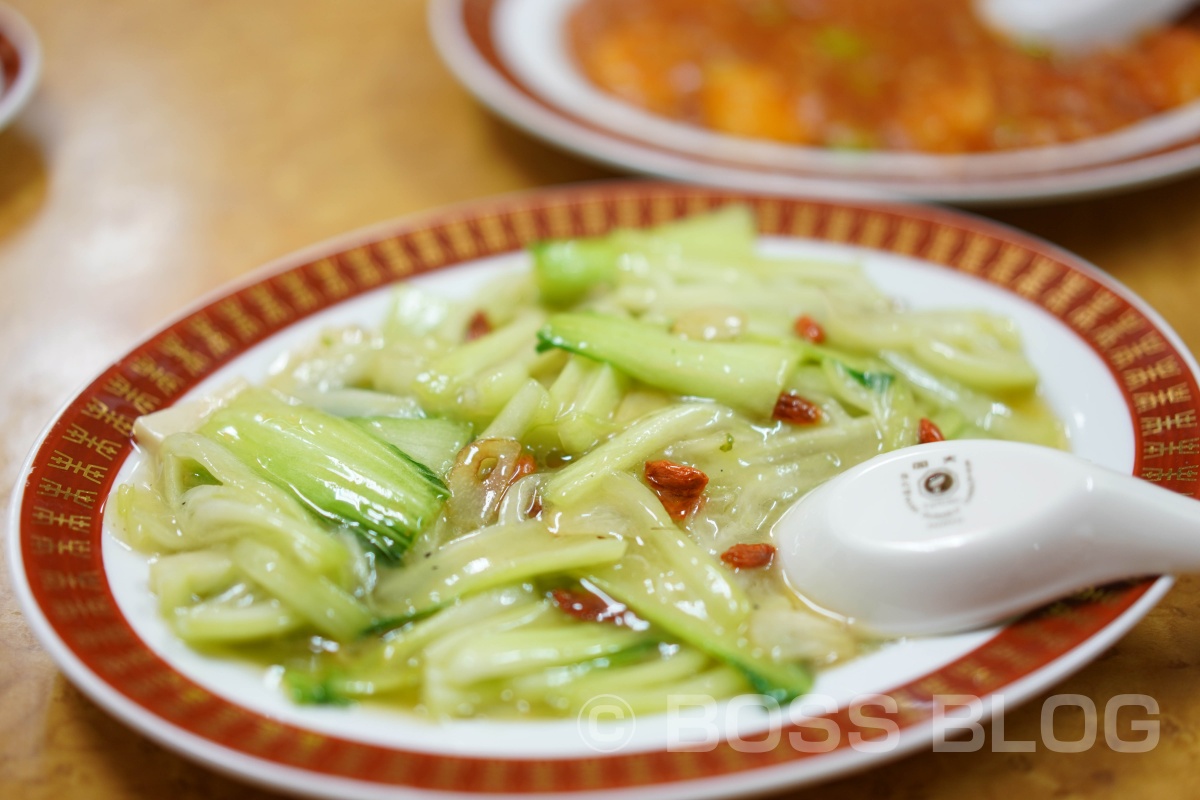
(951, 536)
(1077, 24)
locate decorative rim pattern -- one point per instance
(10, 60)
(58, 510)
(20, 63)
(466, 35)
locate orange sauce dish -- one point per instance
(903, 75)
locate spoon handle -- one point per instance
(1145, 529)
(954, 535)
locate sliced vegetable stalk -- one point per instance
(211, 497)
(566, 270)
(527, 650)
(178, 577)
(433, 441)
(666, 579)
(143, 521)
(213, 623)
(747, 376)
(474, 357)
(716, 682)
(331, 609)
(582, 401)
(587, 420)
(729, 232)
(393, 661)
(213, 514)
(359, 403)
(441, 693)
(726, 235)
(989, 415)
(527, 405)
(976, 349)
(150, 430)
(631, 447)
(495, 556)
(888, 399)
(341, 472)
(659, 666)
(475, 379)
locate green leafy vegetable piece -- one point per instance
(743, 375)
(307, 688)
(338, 470)
(667, 580)
(433, 441)
(567, 269)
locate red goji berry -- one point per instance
(808, 328)
(749, 556)
(791, 407)
(478, 326)
(679, 488)
(928, 432)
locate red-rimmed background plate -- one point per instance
(1112, 368)
(20, 63)
(512, 55)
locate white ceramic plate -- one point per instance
(1119, 377)
(512, 55)
(20, 63)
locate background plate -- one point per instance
(1125, 385)
(20, 63)
(511, 55)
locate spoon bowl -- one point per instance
(951, 536)
(1072, 25)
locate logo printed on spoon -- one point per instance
(940, 491)
(938, 482)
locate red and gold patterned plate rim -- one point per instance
(57, 514)
(20, 63)
(468, 40)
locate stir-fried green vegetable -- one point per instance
(562, 487)
(333, 466)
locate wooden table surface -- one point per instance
(175, 144)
